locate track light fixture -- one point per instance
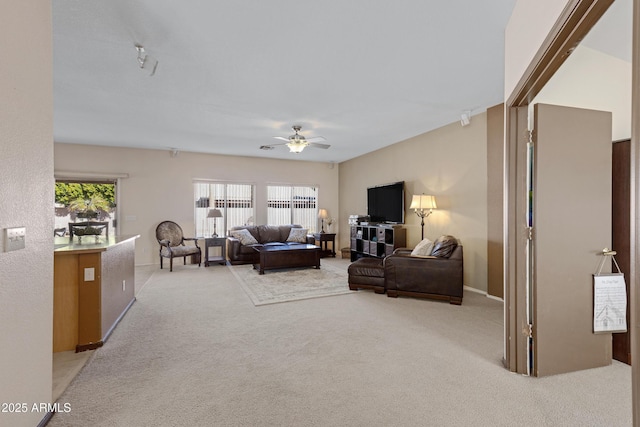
(465, 118)
(146, 62)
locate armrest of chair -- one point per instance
(164, 242)
(402, 251)
(195, 240)
(310, 239)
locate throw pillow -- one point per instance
(443, 247)
(298, 235)
(423, 248)
(244, 236)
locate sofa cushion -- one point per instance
(244, 236)
(249, 249)
(443, 246)
(179, 250)
(269, 233)
(298, 235)
(423, 248)
(251, 228)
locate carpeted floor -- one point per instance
(195, 351)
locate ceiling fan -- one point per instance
(297, 142)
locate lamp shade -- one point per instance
(323, 214)
(214, 213)
(421, 202)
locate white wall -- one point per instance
(160, 187)
(529, 25)
(450, 163)
(593, 80)
(26, 199)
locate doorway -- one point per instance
(572, 25)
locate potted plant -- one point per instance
(90, 208)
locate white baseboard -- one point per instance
(478, 291)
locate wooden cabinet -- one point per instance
(376, 240)
(93, 288)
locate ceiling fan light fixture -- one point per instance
(296, 147)
(296, 142)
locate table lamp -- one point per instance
(322, 214)
(214, 213)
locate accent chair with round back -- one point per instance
(172, 243)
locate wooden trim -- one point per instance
(91, 346)
(634, 324)
(72, 176)
(577, 18)
(516, 316)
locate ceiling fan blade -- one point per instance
(281, 138)
(316, 145)
(316, 139)
(271, 146)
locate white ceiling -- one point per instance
(364, 74)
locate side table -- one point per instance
(322, 240)
(211, 242)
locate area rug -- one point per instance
(293, 284)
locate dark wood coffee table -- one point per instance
(287, 256)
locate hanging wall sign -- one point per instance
(609, 303)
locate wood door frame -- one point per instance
(574, 23)
(634, 272)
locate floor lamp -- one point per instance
(424, 206)
(214, 213)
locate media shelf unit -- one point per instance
(376, 240)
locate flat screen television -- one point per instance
(385, 203)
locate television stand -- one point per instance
(377, 241)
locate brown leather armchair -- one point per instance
(424, 277)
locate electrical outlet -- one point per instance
(14, 238)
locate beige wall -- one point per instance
(160, 187)
(593, 80)
(26, 194)
(450, 163)
(495, 201)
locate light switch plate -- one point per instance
(14, 238)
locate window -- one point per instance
(80, 200)
(235, 202)
(292, 205)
